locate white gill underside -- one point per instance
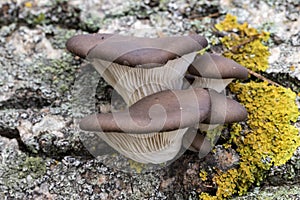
(133, 84)
(217, 84)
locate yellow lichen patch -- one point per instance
(206, 196)
(226, 183)
(203, 175)
(269, 132)
(292, 68)
(268, 138)
(28, 4)
(244, 44)
(136, 166)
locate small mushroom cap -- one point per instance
(224, 110)
(163, 111)
(134, 51)
(214, 66)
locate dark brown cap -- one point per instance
(80, 45)
(134, 51)
(224, 110)
(163, 111)
(218, 67)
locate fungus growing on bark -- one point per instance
(162, 111)
(167, 111)
(215, 72)
(133, 66)
(149, 74)
(134, 51)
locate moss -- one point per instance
(244, 44)
(268, 137)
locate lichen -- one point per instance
(34, 167)
(268, 137)
(244, 44)
(136, 166)
(213, 134)
(58, 73)
(271, 111)
(203, 175)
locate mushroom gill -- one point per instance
(151, 130)
(138, 68)
(152, 65)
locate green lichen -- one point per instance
(136, 166)
(60, 36)
(271, 193)
(59, 73)
(91, 22)
(34, 166)
(30, 166)
(244, 44)
(40, 19)
(268, 137)
(213, 134)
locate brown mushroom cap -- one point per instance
(80, 45)
(224, 110)
(163, 111)
(218, 67)
(134, 51)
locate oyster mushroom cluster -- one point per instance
(168, 86)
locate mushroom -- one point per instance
(151, 130)
(215, 72)
(148, 70)
(133, 66)
(224, 110)
(167, 111)
(162, 111)
(134, 51)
